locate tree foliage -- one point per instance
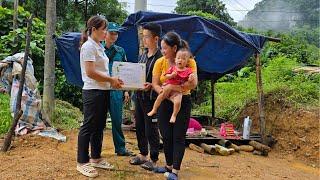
(213, 7)
(7, 44)
(72, 14)
(202, 14)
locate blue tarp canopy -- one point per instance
(218, 48)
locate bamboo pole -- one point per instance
(260, 98)
(18, 113)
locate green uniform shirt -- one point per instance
(118, 54)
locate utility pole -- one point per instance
(140, 5)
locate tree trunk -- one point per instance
(76, 4)
(49, 64)
(86, 10)
(15, 14)
(15, 25)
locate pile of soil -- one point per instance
(296, 130)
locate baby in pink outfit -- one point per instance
(176, 75)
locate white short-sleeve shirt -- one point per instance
(92, 51)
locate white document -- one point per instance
(133, 75)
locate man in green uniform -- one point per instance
(116, 53)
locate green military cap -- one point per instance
(113, 27)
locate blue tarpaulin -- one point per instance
(218, 48)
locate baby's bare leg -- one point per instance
(176, 98)
(156, 104)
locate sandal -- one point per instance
(103, 164)
(125, 153)
(137, 161)
(148, 166)
(161, 169)
(172, 176)
(87, 170)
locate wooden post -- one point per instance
(18, 113)
(212, 102)
(260, 98)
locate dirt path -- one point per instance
(35, 157)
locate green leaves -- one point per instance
(215, 8)
(202, 14)
(15, 40)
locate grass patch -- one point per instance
(5, 115)
(66, 116)
(298, 89)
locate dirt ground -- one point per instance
(295, 155)
(35, 157)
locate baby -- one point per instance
(176, 75)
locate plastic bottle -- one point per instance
(246, 128)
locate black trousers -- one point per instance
(147, 129)
(95, 107)
(174, 133)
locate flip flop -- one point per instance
(137, 161)
(87, 170)
(172, 176)
(147, 165)
(125, 153)
(103, 164)
(163, 169)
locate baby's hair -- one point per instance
(185, 50)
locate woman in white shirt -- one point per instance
(95, 75)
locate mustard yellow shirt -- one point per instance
(162, 65)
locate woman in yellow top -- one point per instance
(173, 133)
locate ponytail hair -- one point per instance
(84, 37)
(97, 22)
(173, 39)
